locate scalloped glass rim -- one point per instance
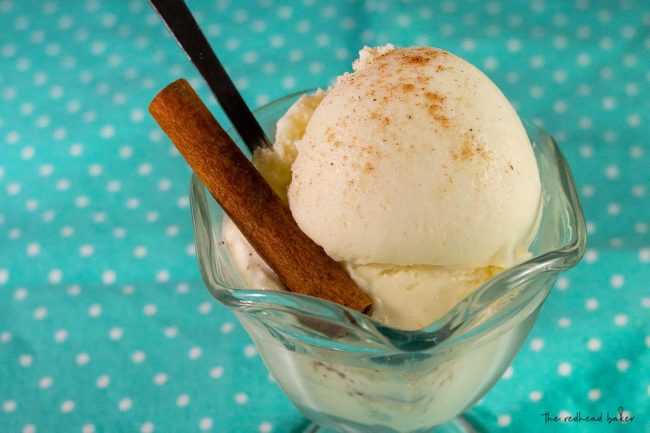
(466, 319)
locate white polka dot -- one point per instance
(633, 120)
(194, 353)
(20, 293)
(588, 191)
(594, 344)
(594, 394)
(107, 131)
(149, 309)
(86, 250)
(585, 122)
(82, 358)
(536, 91)
(60, 335)
(171, 331)
(9, 406)
(103, 381)
(205, 424)
(265, 427)
(132, 203)
(564, 369)
(73, 107)
(5, 337)
(95, 310)
(95, 170)
(644, 255)
(162, 276)
(125, 152)
(227, 327)
(156, 135)
(241, 398)
(27, 152)
(12, 137)
(164, 184)
(591, 255)
(147, 427)
(140, 252)
(288, 82)
(611, 171)
(31, 205)
(508, 373)
(622, 365)
(74, 290)
(13, 188)
(29, 428)
(638, 191)
(40, 313)
(504, 420)
(137, 115)
(108, 277)
(232, 44)
(88, 428)
(128, 290)
(621, 320)
(81, 201)
(125, 404)
(160, 379)
(119, 232)
(182, 288)
(115, 333)
(152, 216)
(535, 395)
(562, 283)
(216, 372)
(592, 304)
(182, 400)
(33, 249)
(617, 281)
(250, 351)
(4, 276)
(613, 209)
(490, 63)
(67, 406)
(62, 184)
(25, 360)
(145, 169)
(56, 92)
(45, 382)
(138, 356)
(537, 344)
(205, 307)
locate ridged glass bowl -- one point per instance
(348, 373)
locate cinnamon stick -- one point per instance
(262, 217)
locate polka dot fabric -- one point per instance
(105, 325)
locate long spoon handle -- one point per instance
(182, 25)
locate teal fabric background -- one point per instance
(105, 325)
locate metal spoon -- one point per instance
(182, 25)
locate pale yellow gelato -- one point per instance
(414, 172)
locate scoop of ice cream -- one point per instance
(416, 158)
(414, 171)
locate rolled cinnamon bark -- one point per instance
(261, 216)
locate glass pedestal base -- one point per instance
(456, 425)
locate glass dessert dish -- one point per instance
(348, 373)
